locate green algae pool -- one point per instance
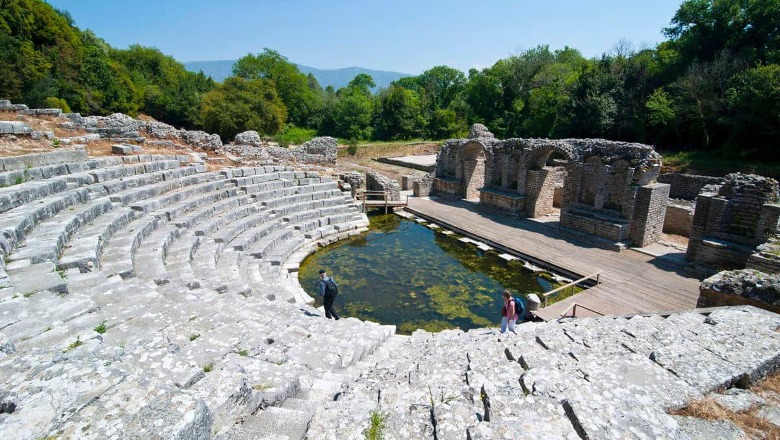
(405, 274)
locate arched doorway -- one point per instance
(474, 170)
(541, 179)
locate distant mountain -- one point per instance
(338, 78)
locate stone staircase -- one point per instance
(143, 297)
(120, 298)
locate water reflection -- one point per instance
(405, 274)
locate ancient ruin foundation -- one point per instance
(732, 220)
(609, 189)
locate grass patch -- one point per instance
(101, 328)
(261, 387)
(194, 336)
(714, 164)
(243, 353)
(208, 367)
(74, 344)
(62, 274)
(376, 426)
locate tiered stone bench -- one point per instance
(145, 297)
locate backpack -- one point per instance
(330, 287)
(519, 307)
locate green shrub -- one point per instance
(352, 147)
(294, 135)
(376, 430)
(101, 328)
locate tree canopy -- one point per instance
(713, 85)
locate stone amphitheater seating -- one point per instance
(143, 297)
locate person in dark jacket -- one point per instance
(328, 289)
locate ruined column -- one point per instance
(649, 210)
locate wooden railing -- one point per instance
(382, 201)
(596, 276)
(573, 308)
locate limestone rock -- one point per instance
(201, 139)
(249, 137)
(14, 127)
(479, 131)
(747, 283)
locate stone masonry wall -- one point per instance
(648, 220)
(378, 182)
(732, 220)
(687, 186)
(679, 216)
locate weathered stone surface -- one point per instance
(378, 182)
(14, 127)
(739, 400)
(478, 131)
(700, 429)
(747, 283)
(122, 149)
(250, 137)
(201, 139)
(731, 220)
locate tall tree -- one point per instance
(241, 104)
(298, 92)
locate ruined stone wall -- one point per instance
(678, 219)
(730, 221)
(687, 186)
(378, 182)
(648, 219)
(423, 186)
(595, 182)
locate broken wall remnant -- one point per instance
(378, 182)
(605, 188)
(732, 220)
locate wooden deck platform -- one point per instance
(631, 282)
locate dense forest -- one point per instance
(713, 85)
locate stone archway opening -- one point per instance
(543, 180)
(474, 170)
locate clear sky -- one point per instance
(399, 35)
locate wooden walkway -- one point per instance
(631, 282)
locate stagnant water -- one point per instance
(405, 274)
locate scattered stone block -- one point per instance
(122, 149)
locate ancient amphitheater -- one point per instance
(144, 296)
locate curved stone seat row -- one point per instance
(176, 313)
(119, 333)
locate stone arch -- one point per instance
(474, 169)
(537, 180)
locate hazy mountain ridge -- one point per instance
(221, 69)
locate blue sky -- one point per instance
(401, 35)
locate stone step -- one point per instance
(278, 423)
(86, 246)
(30, 279)
(16, 224)
(46, 241)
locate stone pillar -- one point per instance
(601, 176)
(473, 178)
(698, 225)
(571, 186)
(767, 222)
(541, 190)
(647, 222)
(505, 172)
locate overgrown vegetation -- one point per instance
(101, 328)
(74, 344)
(377, 426)
(713, 86)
